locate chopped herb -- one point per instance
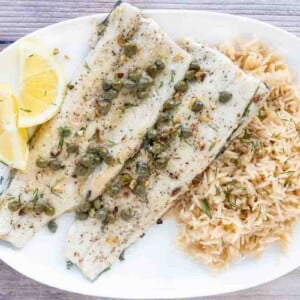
(26, 110)
(213, 127)
(64, 132)
(53, 192)
(69, 264)
(230, 202)
(45, 93)
(129, 104)
(246, 135)
(2, 162)
(211, 146)
(87, 66)
(218, 192)
(35, 195)
(121, 257)
(206, 208)
(111, 143)
(161, 84)
(222, 242)
(216, 172)
(172, 76)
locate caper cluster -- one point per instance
(96, 209)
(194, 73)
(94, 155)
(52, 163)
(31, 207)
(136, 185)
(137, 81)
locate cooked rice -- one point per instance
(250, 196)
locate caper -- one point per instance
(92, 213)
(110, 218)
(49, 210)
(125, 179)
(81, 216)
(88, 160)
(110, 95)
(194, 65)
(134, 75)
(161, 163)
(142, 168)
(101, 214)
(52, 226)
(224, 96)
(112, 190)
(152, 70)
(165, 117)
(181, 86)
(104, 107)
(93, 149)
(190, 75)
(104, 154)
(129, 84)
(41, 163)
(72, 148)
(81, 170)
(140, 190)
(152, 133)
(197, 106)
(29, 208)
(14, 205)
(185, 133)
(106, 85)
(130, 49)
(126, 214)
(55, 164)
(170, 104)
(84, 207)
(117, 85)
(39, 208)
(144, 83)
(160, 64)
(97, 203)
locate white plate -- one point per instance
(154, 266)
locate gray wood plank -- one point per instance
(20, 17)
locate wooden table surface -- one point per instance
(20, 17)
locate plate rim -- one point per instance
(100, 16)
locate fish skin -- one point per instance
(60, 188)
(93, 248)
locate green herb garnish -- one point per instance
(206, 208)
(64, 132)
(211, 146)
(26, 110)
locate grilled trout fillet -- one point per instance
(94, 245)
(119, 131)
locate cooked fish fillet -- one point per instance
(120, 131)
(93, 245)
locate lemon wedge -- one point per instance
(42, 85)
(13, 141)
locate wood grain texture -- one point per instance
(20, 17)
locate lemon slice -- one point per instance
(13, 141)
(42, 84)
